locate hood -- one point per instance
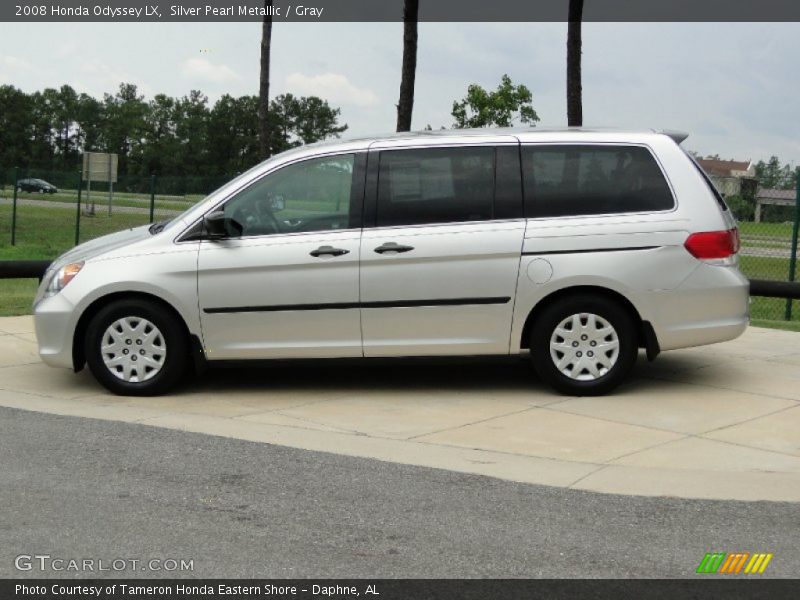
(102, 245)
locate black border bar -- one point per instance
(392, 10)
(732, 588)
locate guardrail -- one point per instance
(34, 269)
(775, 289)
(23, 269)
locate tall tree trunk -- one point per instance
(574, 43)
(405, 107)
(263, 89)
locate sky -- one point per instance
(731, 86)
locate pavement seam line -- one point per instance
(607, 420)
(756, 448)
(751, 419)
(20, 365)
(611, 461)
(727, 389)
(312, 422)
(492, 418)
(582, 477)
(358, 435)
(503, 452)
(304, 404)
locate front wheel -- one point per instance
(136, 348)
(584, 345)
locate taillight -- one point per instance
(711, 245)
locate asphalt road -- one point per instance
(75, 488)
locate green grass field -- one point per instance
(776, 230)
(44, 234)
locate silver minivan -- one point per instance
(573, 247)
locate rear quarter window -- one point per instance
(574, 180)
(710, 184)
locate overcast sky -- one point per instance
(732, 86)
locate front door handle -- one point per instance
(328, 251)
(393, 247)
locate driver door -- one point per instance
(284, 282)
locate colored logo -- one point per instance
(734, 563)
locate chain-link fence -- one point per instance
(42, 214)
(768, 228)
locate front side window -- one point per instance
(574, 180)
(312, 195)
(435, 185)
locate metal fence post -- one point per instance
(14, 209)
(793, 257)
(152, 196)
(78, 211)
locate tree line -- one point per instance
(774, 175)
(186, 136)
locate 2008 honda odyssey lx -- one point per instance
(578, 246)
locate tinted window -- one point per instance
(592, 180)
(436, 185)
(313, 195)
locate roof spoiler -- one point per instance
(677, 136)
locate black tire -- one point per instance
(176, 347)
(608, 310)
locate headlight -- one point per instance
(62, 277)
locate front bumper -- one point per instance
(55, 319)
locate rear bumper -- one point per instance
(712, 305)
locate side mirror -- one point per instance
(218, 226)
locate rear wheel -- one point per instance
(584, 345)
(136, 348)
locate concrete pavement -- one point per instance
(720, 422)
(75, 488)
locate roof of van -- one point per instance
(360, 143)
(678, 136)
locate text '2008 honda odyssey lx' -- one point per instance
(578, 247)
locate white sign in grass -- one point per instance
(100, 166)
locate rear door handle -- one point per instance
(328, 251)
(393, 247)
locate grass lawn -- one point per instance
(44, 233)
(766, 230)
(16, 296)
(765, 267)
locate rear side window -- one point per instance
(573, 180)
(436, 185)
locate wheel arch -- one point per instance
(78, 354)
(644, 329)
